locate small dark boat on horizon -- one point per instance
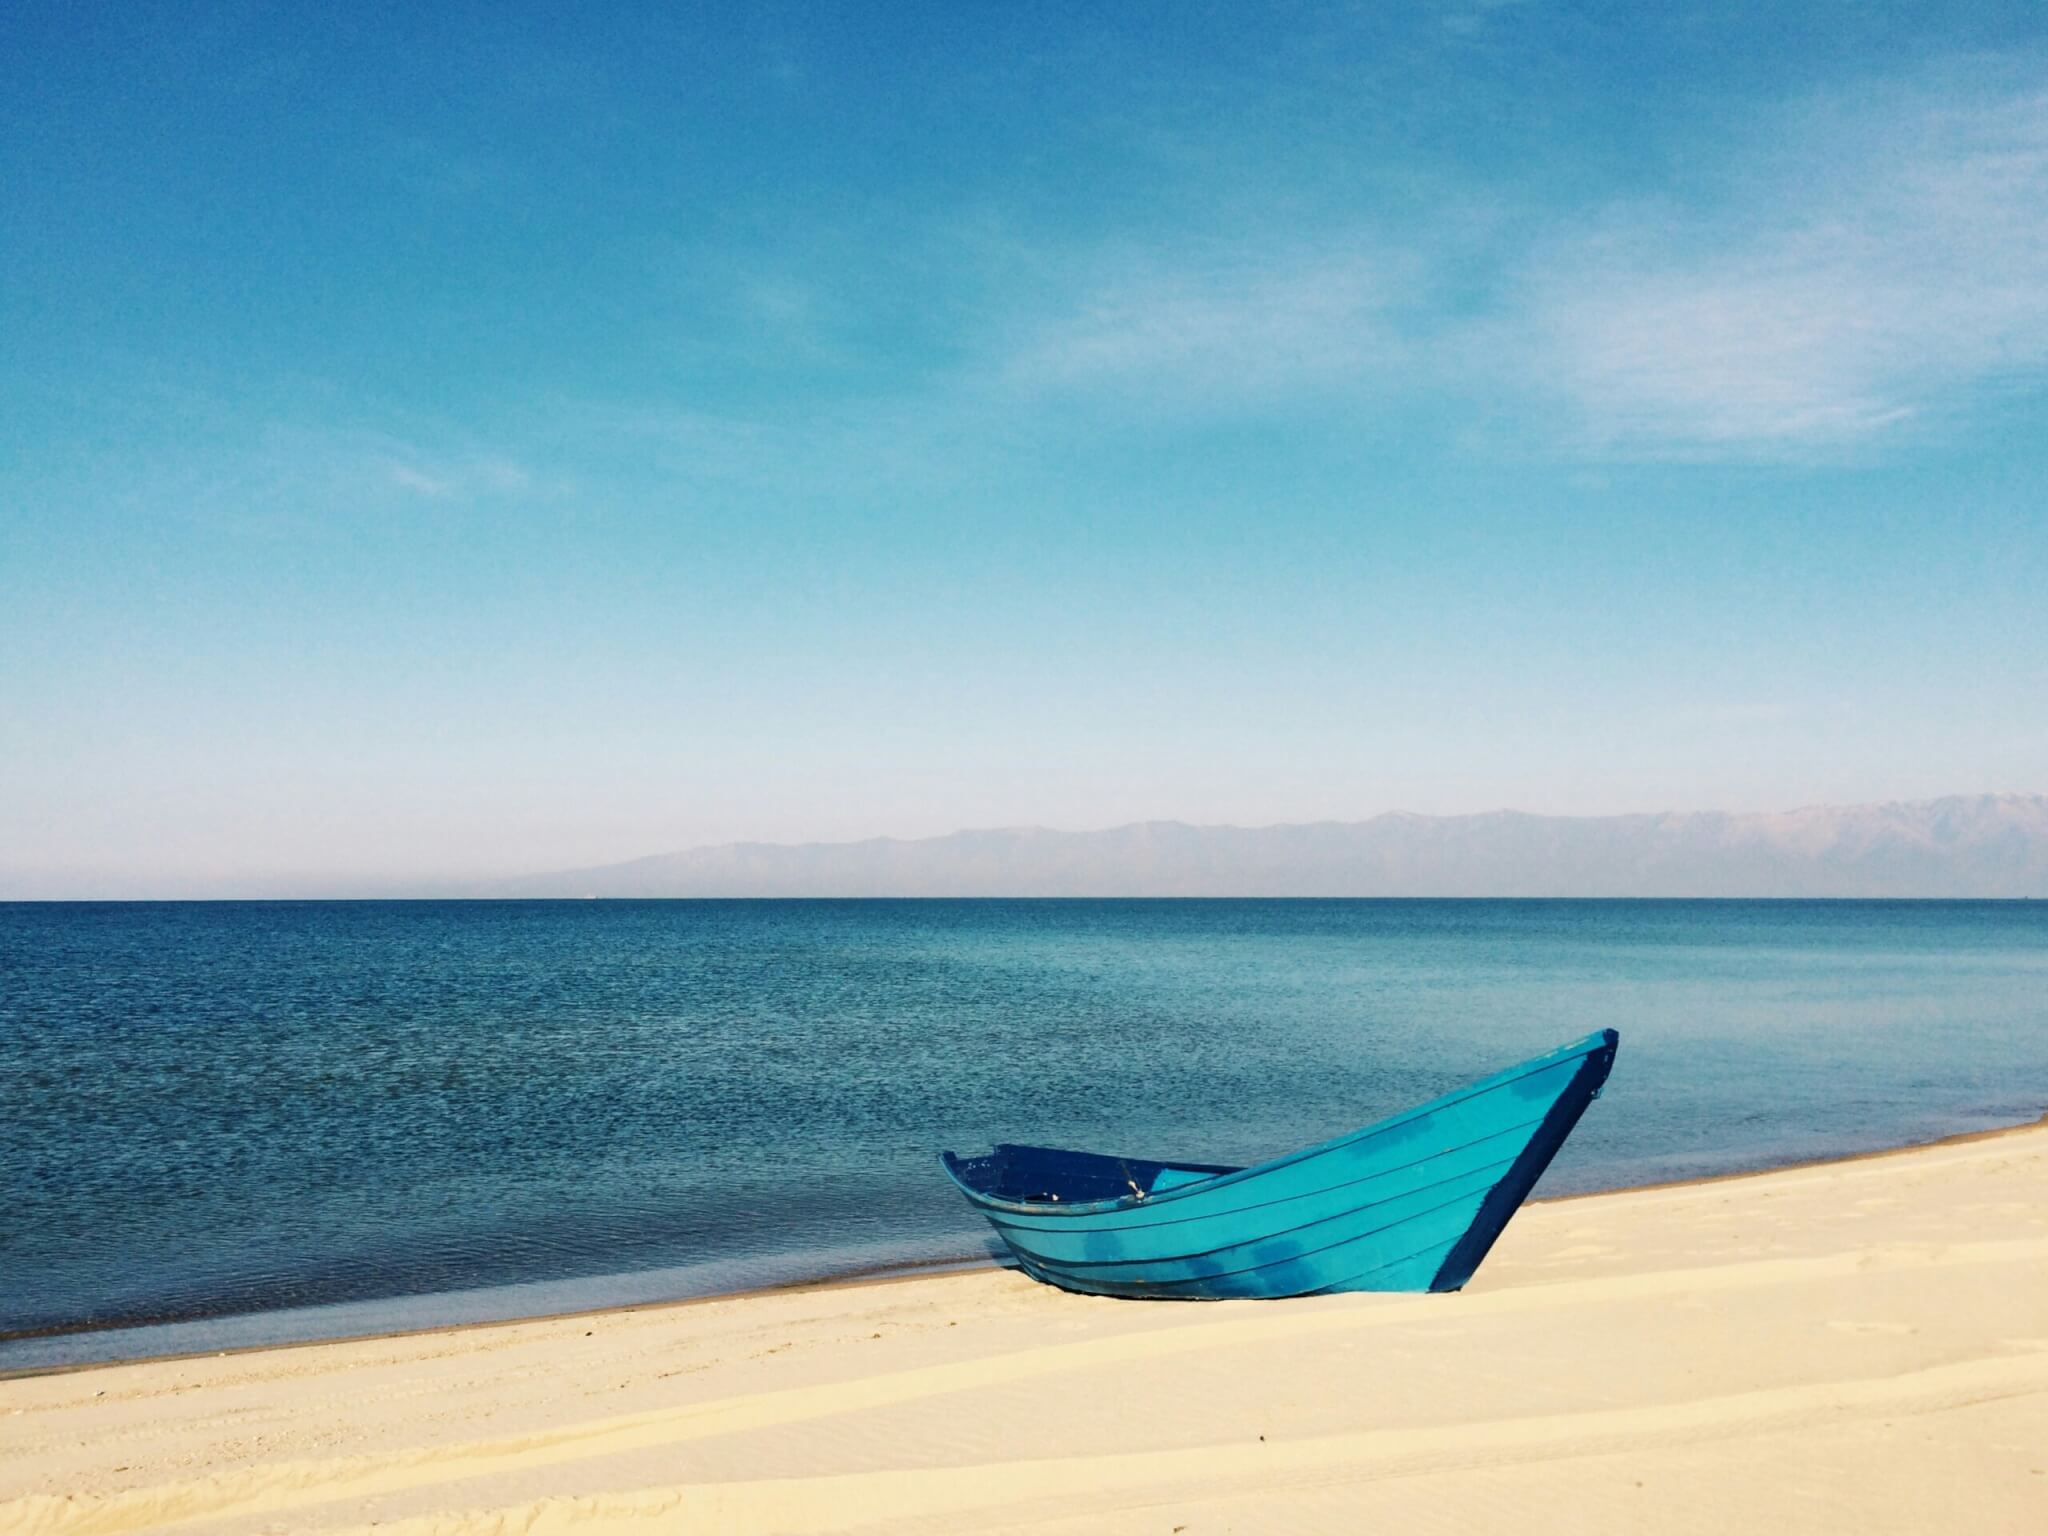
(1412, 1203)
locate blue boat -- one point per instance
(1410, 1204)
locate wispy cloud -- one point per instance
(283, 479)
(463, 477)
(1241, 324)
(1852, 269)
(1845, 272)
(1885, 262)
(297, 465)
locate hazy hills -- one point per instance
(1963, 845)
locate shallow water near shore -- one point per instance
(234, 1123)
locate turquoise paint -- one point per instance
(1412, 1203)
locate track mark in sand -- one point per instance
(1019, 1488)
(289, 1485)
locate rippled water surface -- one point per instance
(294, 1119)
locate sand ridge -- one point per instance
(1858, 1345)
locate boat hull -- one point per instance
(1412, 1203)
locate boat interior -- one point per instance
(1051, 1176)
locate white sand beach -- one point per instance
(1855, 1346)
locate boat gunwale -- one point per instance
(1599, 1040)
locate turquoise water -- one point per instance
(227, 1123)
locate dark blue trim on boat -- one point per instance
(1508, 1195)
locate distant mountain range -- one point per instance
(1964, 845)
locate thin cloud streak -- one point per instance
(1896, 262)
(285, 480)
(1233, 329)
(459, 479)
(1872, 268)
(1878, 266)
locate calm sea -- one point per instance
(231, 1123)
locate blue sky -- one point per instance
(443, 441)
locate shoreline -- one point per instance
(1858, 1344)
(877, 1275)
(1903, 1149)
